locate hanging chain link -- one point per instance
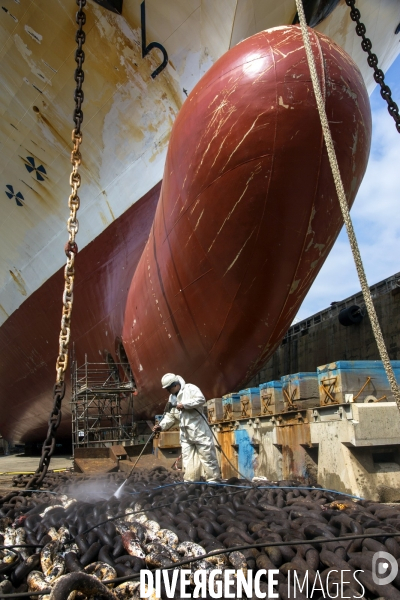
(372, 59)
(70, 250)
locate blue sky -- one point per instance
(375, 214)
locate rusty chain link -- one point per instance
(372, 59)
(70, 250)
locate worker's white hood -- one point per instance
(172, 398)
(181, 381)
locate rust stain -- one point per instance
(160, 146)
(19, 282)
(110, 209)
(136, 133)
(103, 219)
(4, 312)
(226, 439)
(293, 438)
(31, 188)
(41, 118)
(46, 197)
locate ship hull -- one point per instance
(128, 119)
(28, 339)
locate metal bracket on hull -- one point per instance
(146, 49)
(113, 5)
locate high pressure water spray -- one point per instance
(118, 493)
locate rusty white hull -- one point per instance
(128, 118)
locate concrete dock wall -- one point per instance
(352, 448)
(321, 339)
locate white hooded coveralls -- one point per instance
(197, 443)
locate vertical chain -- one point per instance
(70, 250)
(372, 60)
(345, 208)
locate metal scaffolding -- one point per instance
(102, 404)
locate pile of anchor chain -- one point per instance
(60, 481)
(74, 542)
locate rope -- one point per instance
(345, 208)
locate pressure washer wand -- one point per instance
(117, 494)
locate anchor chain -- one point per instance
(71, 250)
(372, 59)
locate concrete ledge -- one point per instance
(354, 448)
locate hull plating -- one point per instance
(28, 341)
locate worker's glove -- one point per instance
(156, 428)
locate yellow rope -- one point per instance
(345, 208)
(30, 472)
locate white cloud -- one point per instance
(375, 214)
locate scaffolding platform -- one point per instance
(102, 406)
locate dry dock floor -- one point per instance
(19, 463)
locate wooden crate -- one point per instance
(300, 390)
(232, 408)
(271, 398)
(169, 439)
(250, 402)
(355, 381)
(215, 410)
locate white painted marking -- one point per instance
(235, 205)
(239, 253)
(34, 35)
(280, 102)
(198, 220)
(243, 138)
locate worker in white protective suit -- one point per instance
(185, 407)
